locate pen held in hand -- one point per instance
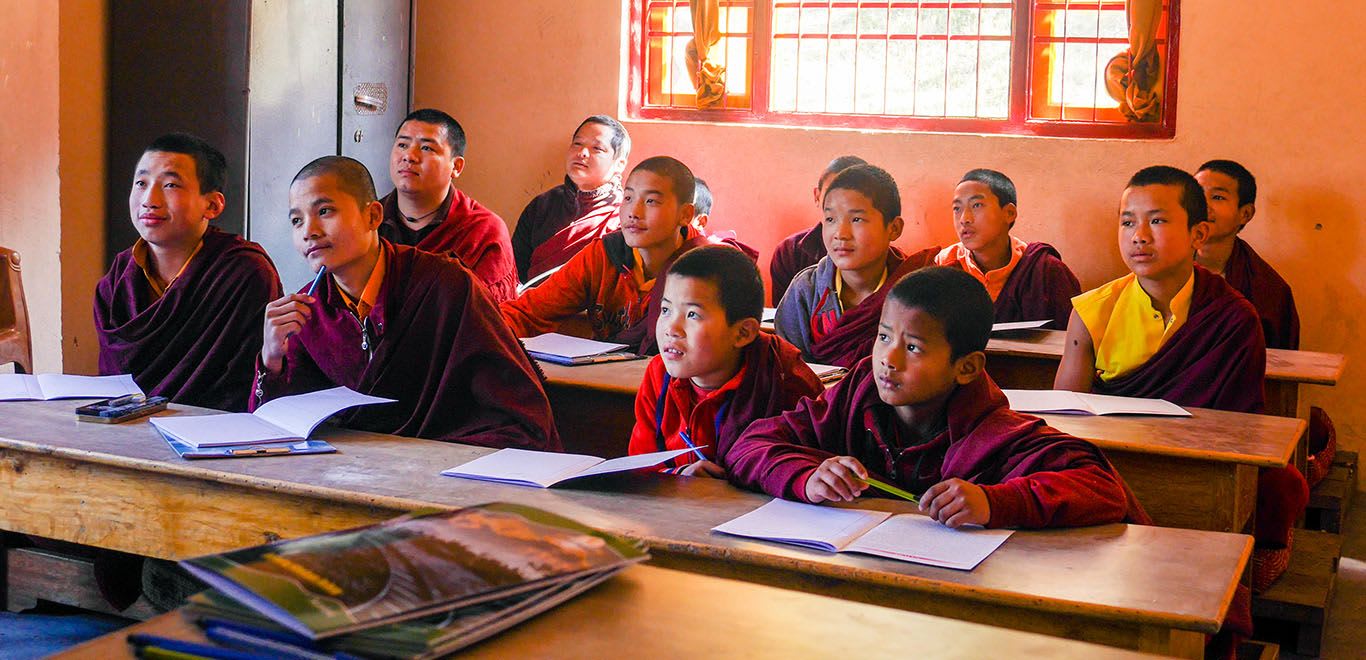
(314, 286)
(891, 490)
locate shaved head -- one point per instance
(355, 180)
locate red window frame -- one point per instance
(1024, 86)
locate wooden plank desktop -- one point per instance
(1198, 472)
(658, 613)
(121, 487)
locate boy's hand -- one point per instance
(703, 469)
(838, 479)
(955, 503)
(284, 317)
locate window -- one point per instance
(1035, 67)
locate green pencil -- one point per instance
(891, 490)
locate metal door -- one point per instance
(374, 81)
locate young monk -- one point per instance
(560, 222)
(427, 211)
(715, 372)
(1231, 194)
(702, 201)
(176, 308)
(804, 248)
(1172, 330)
(397, 322)
(613, 279)
(1026, 281)
(923, 413)
(830, 312)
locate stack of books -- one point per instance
(419, 586)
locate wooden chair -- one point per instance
(16, 343)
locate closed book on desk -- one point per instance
(286, 419)
(564, 349)
(904, 537)
(410, 567)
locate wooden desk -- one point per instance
(1197, 473)
(657, 613)
(1030, 361)
(121, 487)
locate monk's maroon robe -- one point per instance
(466, 230)
(197, 343)
(560, 222)
(851, 339)
(793, 255)
(1040, 288)
(435, 342)
(1268, 292)
(1033, 475)
(1217, 359)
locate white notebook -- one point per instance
(1018, 325)
(554, 343)
(904, 537)
(1082, 403)
(286, 419)
(46, 387)
(523, 467)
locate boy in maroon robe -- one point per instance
(715, 372)
(427, 211)
(831, 309)
(702, 201)
(397, 322)
(922, 413)
(177, 307)
(560, 222)
(804, 248)
(1203, 344)
(1026, 281)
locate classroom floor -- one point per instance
(24, 636)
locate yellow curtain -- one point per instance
(1135, 76)
(708, 75)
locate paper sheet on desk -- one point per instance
(46, 387)
(554, 343)
(524, 467)
(1083, 403)
(1018, 325)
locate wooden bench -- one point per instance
(1331, 499)
(1296, 606)
(656, 613)
(1145, 588)
(34, 575)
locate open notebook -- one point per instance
(46, 387)
(904, 537)
(1083, 403)
(286, 419)
(563, 349)
(523, 467)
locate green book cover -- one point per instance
(411, 566)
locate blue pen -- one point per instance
(249, 632)
(190, 648)
(252, 644)
(687, 440)
(314, 286)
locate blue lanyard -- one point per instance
(684, 434)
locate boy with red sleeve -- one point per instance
(715, 372)
(613, 279)
(922, 413)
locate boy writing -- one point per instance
(1172, 330)
(427, 211)
(560, 222)
(396, 322)
(830, 312)
(613, 279)
(1026, 281)
(715, 372)
(804, 248)
(177, 307)
(922, 413)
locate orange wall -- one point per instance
(1262, 81)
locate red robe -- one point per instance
(188, 344)
(1253, 277)
(466, 230)
(1033, 475)
(561, 222)
(1041, 287)
(851, 339)
(435, 342)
